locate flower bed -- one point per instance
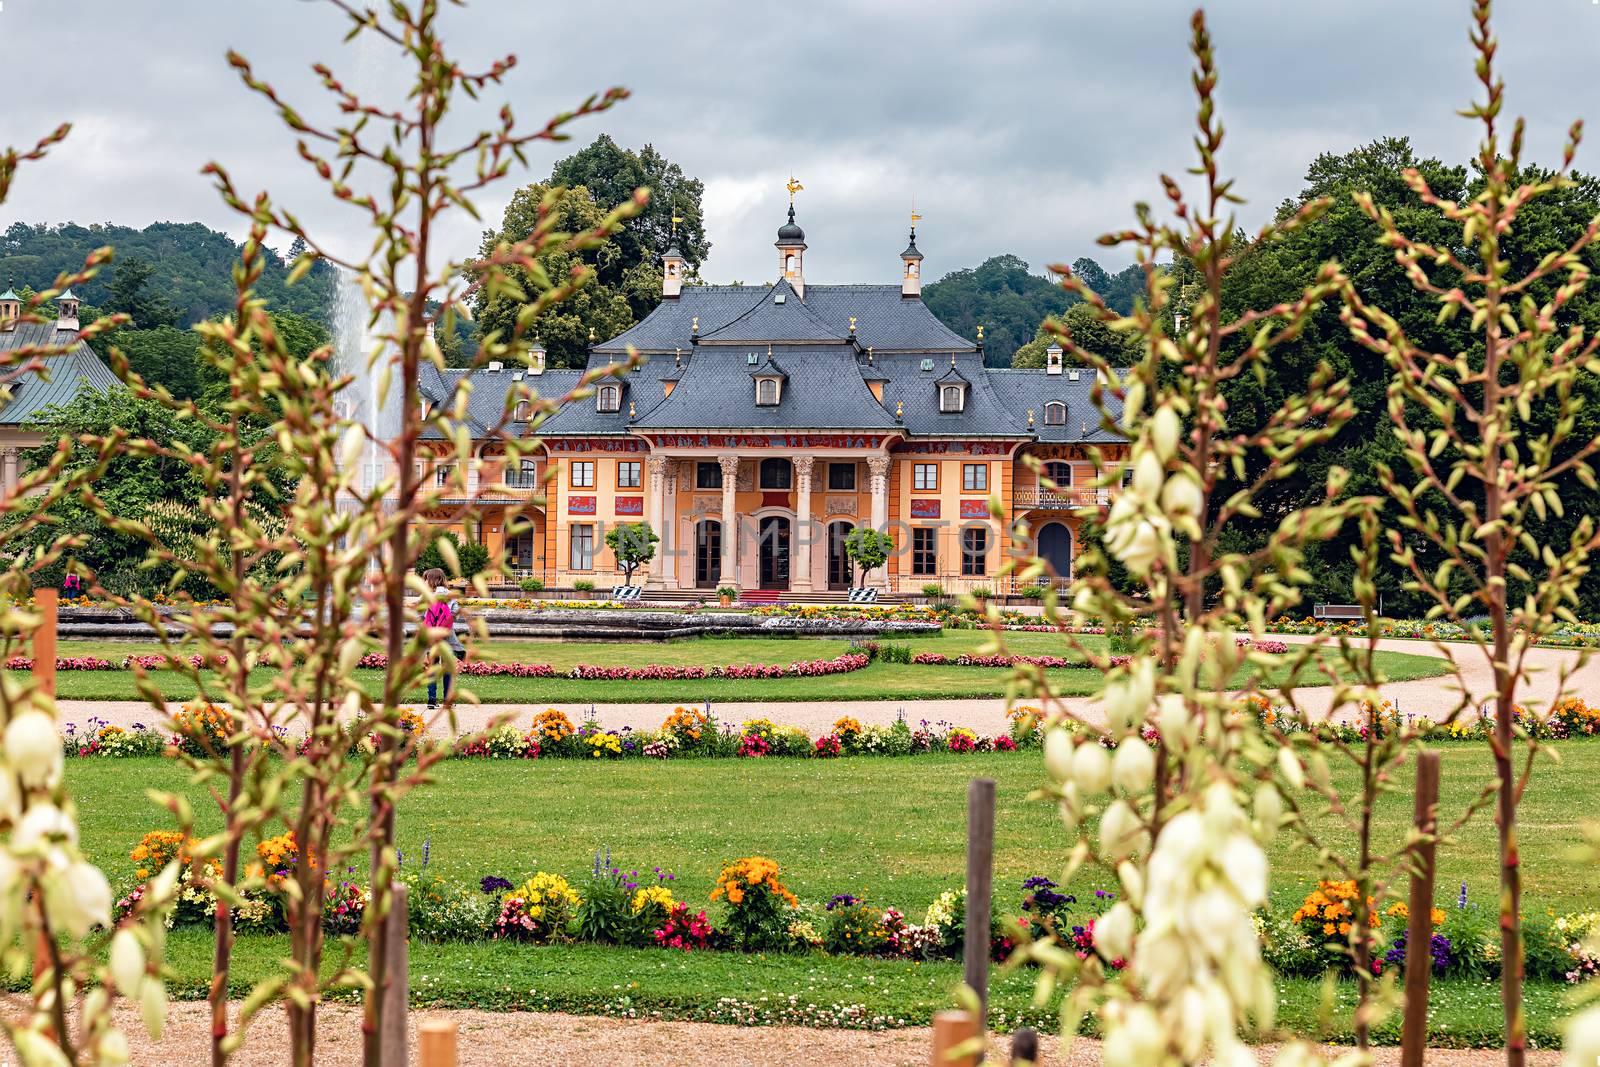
(806, 668)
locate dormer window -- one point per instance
(524, 411)
(768, 392)
(608, 398)
(952, 398)
(1055, 413)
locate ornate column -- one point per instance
(730, 521)
(800, 573)
(657, 466)
(878, 468)
(8, 472)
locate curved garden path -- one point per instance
(1434, 697)
(493, 1039)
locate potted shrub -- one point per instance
(583, 585)
(533, 585)
(727, 594)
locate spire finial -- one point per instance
(852, 325)
(675, 220)
(899, 410)
(1030, 418)
(953, 357)
(632, 414)
(769, 351)
(694, 325)
(980, 333)
(591, 335)
(793, 187)
(677, 357)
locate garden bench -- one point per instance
(626, 592)
(1336, 611)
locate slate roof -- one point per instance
(986, 413)
(885, 320)
(489, 388)
(69, 373)
(779, 316)
(1024, 390)
(824, 392)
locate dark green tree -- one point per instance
(472, 556)
(1088, 331)
(165, 356)
(605, 310)
(868, 548)
(132, 295)
(611, 174)
(633, 544)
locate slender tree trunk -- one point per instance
(222, 953)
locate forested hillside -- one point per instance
(185, 268)
(1011, 302)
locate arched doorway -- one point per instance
(839, 566)
(773, 552)
(707, 553)
(1055, 547)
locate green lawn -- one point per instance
(892, 828)
(880, 681)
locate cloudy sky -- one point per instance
(1024, 127)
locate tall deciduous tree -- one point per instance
(605, 309)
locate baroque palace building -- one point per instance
(764, 423)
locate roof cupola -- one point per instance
(791, 246)
(911, 264)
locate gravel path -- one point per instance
(1427, 696)
(500, 1039)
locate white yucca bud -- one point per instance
(1137, 545)
(1147, 476)
(1135, 1040)
(33, 748)
(1291, 767)
(153, 1006)
(1091, 767)
(1058, 753)
(37, 1050)
(1165, 429)
(351, 447)
(113, 1048)
(1127, 698)
(1134, 766)
(1174, 721)
(1181, 495)
(41, 824)
(1191, 1021)
(1269, 811)
(1120, 831)
(1113, 932)
(1582, 1040)
(127, 961)
(78, 897)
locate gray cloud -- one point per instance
(1026, 127)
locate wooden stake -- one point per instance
(1419, 924)
(436, 1042)
(48, 602)
(397, 982)
(1024, 1048)
(950, 1030)
(980, 878)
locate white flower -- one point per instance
(1269, 811)
(1121, 834)
(1147, 476)
(1127, 698)
(127, 961)
(37, 1050)
(1058, 753)
(1133, 768)
(1174, 721)
(1582, 1040)
(1113, 932)
(113, 1048)
(44, 824)
(153, 1006)
(1181, 495)
(1137, 544)
(1091, 767)
(1291, 767)
(1134, 1040)
(33, 748)
(78, 897)
(1164, 431)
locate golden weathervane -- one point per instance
(793, 187)
(675, 220)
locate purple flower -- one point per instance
(841, 900)
(493, 883)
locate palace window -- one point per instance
(974, 551)
(776, 474)
(524, 411)
(708, 475)
(583, 474)
(582, 547)
(608, 398)
(1055, 413)
(443, 473)
(628, 474)
(952, 398)
(924, 550)
(925, 476)
(975, 477)
(841, 476)
(768, 390)
(1060, 473)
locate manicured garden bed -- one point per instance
(879, 681)
(889, 829)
